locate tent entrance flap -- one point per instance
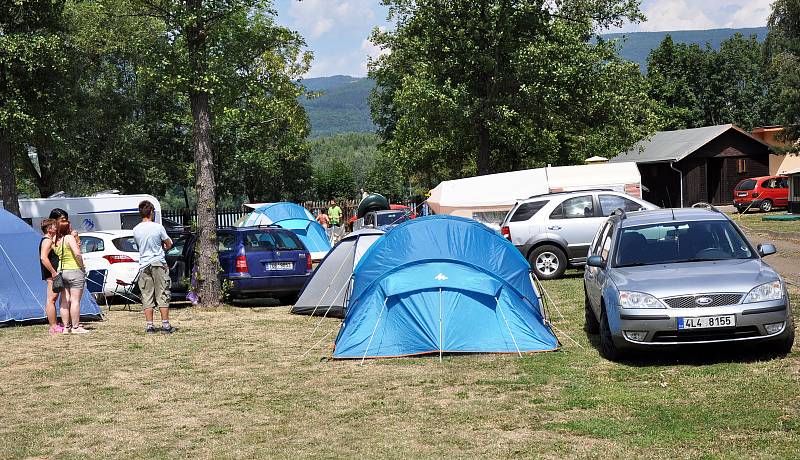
(440, 275)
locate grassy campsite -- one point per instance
(241, 382)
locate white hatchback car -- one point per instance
(114, 251)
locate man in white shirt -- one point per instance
(154, 281)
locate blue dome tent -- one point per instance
(442, 284)
(22, 291)
(295, 218)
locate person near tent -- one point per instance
(323, 219)
(62, 218)
(334, 214)
(154, 281)
(48, 261)
(70, 264)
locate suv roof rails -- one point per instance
(571, 191)
(704, 205)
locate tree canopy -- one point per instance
(784, 57)
(495, 85)
(694, 86)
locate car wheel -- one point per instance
(608, 349)
(784, 345)
(549, 262)
(590, 325)
(766, 205)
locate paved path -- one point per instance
(786, 261)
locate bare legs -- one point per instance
(50, 304)
(66, 299)
(71, 307)
(148, 314)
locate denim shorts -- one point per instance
(74, 279)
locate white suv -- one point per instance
(556, 229)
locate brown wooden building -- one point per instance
(683, 167)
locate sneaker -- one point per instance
(150, 330)
(65, 330)
(57, 329)
(169, 330)
(79, 330)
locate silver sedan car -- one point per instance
(682, 276)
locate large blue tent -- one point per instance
(295, 218)
(442, 284)
(22, 291)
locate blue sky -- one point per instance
(337, 31)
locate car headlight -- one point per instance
(767, 291)
(631, 299)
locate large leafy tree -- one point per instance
(696, 86)
(492, 85)
(783, 48)
(234, 67)
(30, 71)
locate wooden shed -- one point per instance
(794, 191)
(683, 167)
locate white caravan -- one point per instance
(90, 213)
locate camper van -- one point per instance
(90, 213)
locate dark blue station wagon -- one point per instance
(258, 262)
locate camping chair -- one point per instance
(128, 291)
(95, 281)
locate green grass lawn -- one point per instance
(237, 382)
(753, 221)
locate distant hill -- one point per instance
(637, 45)
(343, 106)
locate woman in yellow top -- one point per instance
(71, 267)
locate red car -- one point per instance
(762, 193)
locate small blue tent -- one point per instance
(22, 291)
(295, 218)
(442, 284)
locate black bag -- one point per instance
(58, 280)
(58, 283)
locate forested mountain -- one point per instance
(637, 45)
(342, 105)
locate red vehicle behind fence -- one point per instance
(762, 193)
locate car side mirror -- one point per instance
(595, 261)
(766, 249)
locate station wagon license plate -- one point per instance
(707, 321)
(280, 266)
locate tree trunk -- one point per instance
(207, 255)
(208, 286)
(8, 180)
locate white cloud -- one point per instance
(753, 13)
(315, 18)
(370, 50)
(675, 15)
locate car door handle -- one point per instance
(554, 227)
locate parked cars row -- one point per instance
(254, 261)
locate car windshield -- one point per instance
(677, 242)
(271, 241)
(748, 184)
(391, 218)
